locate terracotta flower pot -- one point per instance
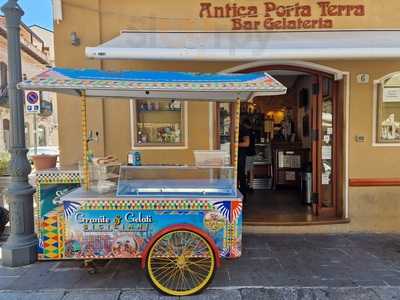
(44, 161)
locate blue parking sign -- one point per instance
(32, 101)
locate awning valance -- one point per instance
(159, 85)
(248, 46)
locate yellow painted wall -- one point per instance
(96, 21)
(181, 15)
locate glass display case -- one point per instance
(103, 177)
(176, 181)
(159, 123)
(225, 110)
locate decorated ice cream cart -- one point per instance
(179, 220)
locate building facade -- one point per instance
(340, 62)
(35, 59)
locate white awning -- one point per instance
(247, 46)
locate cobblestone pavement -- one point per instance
(360, 266)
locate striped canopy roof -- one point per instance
(162, 85)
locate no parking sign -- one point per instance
(32, 101)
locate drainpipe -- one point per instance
(20, 248)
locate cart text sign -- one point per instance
(274, 16)
(130, 218)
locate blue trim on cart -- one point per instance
(160, 76)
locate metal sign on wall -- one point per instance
(32, 101)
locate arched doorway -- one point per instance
(298, 173)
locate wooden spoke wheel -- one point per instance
(181, 263)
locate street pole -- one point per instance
(35, 132)
(20, 248)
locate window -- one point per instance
(159, 123)
(388, 109)
(3, 74)
(41, 136)
(225, 111)
(3, 85)
(6, 134)
(27, 135)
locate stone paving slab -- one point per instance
(364, 266)
(93, 295)
(32, 295)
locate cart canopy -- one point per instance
(160, 85)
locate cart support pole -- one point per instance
(85, 150)
(236, 147)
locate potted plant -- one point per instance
(4, 162)
(44, 161)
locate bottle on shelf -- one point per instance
(130, 158)
(134, 158)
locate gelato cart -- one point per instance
(179, 220)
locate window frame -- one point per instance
(42, 128)
(133, 123)
(6, 134)
(377, 99)
(27, 129)
(3, 74)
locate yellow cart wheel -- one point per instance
(181, 263)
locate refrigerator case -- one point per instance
(176, 181)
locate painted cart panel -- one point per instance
(50, 186)
(123, 228)
(105, 227)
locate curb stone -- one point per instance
(270, 293)
(143, 295)
(92, 295)
(29, 295)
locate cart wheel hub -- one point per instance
(181, 262)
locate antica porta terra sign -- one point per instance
(274, 16)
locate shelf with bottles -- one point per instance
(157, 117)
(159, 134)
(145, 106)
(159, 123)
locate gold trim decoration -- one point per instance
(85, 146)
